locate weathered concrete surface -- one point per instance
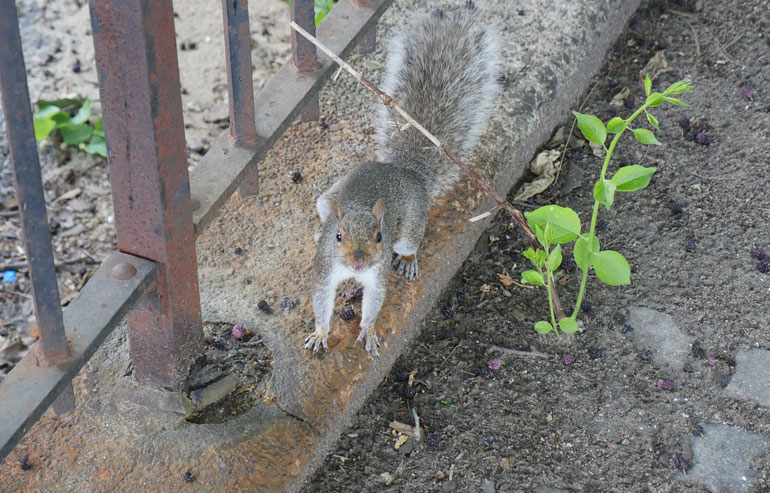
(722, 456)
(750, 381)
(112, 443)
(657, 331)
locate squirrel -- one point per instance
(444, 73)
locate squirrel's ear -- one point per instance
(336, 208)
(379, 210)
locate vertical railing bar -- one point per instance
(303, 51)
(243, 128)
(29, 193)
(141, 101)
(29, 188)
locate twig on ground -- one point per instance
(391, 103)
(417, 434)
(515, 352)
(22, 264)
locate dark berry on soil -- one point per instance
(643, 355)
(484, 372)
(238, 251)
(434, 439)
(635, 26)
(674, 207)
(463, 288)
(408, 392)
(747, 92)
(614, 82)
(76, 66)
(188, 476)
(263, 306)
(567, 360)
(594, 353)
(697, 351)
(666, 384)
(629, 102)
(219, 344)
(690, 246)
(403, 376)
(620, 318)
(495, 364)
(626, 329)
(697, 431)
(448, 312)
(684, 122)
(687, 368)
(702, 139)
(763, 266)
(296, 177)
(681, 463)
(347, 314)
(289, 305)
(25, 464)
(758, 253)
(586, 306)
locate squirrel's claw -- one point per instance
(406, 268)
(316, 340)
(372, 343)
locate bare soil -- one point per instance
(602, 423)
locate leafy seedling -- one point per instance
(69, 119)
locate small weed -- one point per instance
(69, 119)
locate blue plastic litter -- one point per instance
(9, 276)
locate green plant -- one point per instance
(554, 225)
(70, 119)
(320, 7)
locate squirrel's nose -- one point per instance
(358, 254)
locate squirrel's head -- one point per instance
(358, 237)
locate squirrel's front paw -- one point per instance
(406, 265)
(317, 339)
(372, 343)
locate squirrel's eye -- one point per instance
(378, 238)
(339, 236)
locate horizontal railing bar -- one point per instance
(29, 389)
(284, 96)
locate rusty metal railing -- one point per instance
(159, 207)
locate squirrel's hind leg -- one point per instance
(405, 262)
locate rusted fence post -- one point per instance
(304, 52)
(52, 348)
(142, 107)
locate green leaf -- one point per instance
(646, 136)
(99, 128)
(84, 112)
(43, 122)
(591, 127)
(321, 8)
(97, 146)
(653, 121)
(74, 134)
(554, 259)
(612, 268)
(654, 99)
(614, 125)
(568, 325)
(446, 401)
(59, 103)
(675, 101)
(565, 222)
(631, 178)
(532, 277)
(604, 193)
(647, 84)
(585, 247)
(679, 87)
(543, 327)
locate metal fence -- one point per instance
(159, 207)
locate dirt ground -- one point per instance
(602, 423)
(598, 424)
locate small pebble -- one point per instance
(238, 331)
(666, 384)
(495, 364)
(347, 314)
(263, 306)
(567, 360)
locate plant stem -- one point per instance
(550, 303)
(595, 213)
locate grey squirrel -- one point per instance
(443, 71)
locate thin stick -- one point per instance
(515, 352)
(391, 103)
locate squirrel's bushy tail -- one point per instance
(443, 70)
